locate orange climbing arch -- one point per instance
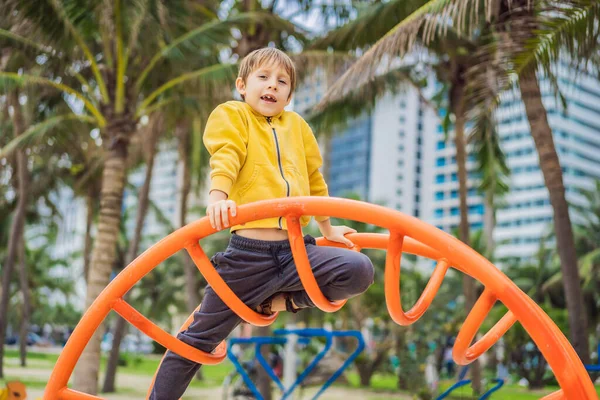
(406, 235)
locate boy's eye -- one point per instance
(282, 81)
(262, 76)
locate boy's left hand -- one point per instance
(336, 234)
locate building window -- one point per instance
(439, 195)
(439, 213)
(454, 194)
(478, 209)
(441, 145)
(440, 162)
(440, 178)
(454, 177)
(454, 211)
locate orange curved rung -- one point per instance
(136, 319)
(392, 280)
(219, 286)
(305, 272)
(408, 234)
(462, 353)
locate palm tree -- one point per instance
(104, 56)
(154, 130)
(450, 58)
(529, 34)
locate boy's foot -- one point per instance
(277, 302)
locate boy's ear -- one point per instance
(240, 86)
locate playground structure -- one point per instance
(461, 381)
(304, 338)
(406, 234)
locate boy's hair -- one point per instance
(268, 55)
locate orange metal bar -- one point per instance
(221, 347)
(305, 271)
(132, 315)
(224, 291)
(418, 238)
(462, 353)
(392, 287)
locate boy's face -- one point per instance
(267, 89)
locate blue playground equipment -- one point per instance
(594, 368)
(305, 336)
(463, 382)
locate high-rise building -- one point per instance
(412, 161)
(527, 214)
(164, 195)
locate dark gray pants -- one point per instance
(256, 270)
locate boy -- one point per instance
(260, 151)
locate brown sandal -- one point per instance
(265, 307)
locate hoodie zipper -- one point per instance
(287, 184)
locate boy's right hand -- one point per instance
(217, 210)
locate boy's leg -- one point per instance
(212, 323)
(252, 276)
(340, 273)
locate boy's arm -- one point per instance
(225, 138)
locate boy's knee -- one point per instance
(361, 273)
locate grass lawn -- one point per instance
(214, 375)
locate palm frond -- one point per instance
(66, 16)
(370, 24)
(330, 62)
(327, 117)
(8, 79)
(215, 77)
(435, 17)
(212, 33)
(36, 132)
(567, 27)
(491, 159)
(26, 44)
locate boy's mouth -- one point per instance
(268, 98)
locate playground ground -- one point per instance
(134, 379)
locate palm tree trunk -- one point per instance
(85, 377)
(87, 247)
(550, 166)
(17, 225)
(142, 210)
(26, 314)
(458, 104)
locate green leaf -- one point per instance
(37, 132)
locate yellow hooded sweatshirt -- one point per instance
(254, 158)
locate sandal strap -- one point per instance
(288, 304)
(265, 306)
